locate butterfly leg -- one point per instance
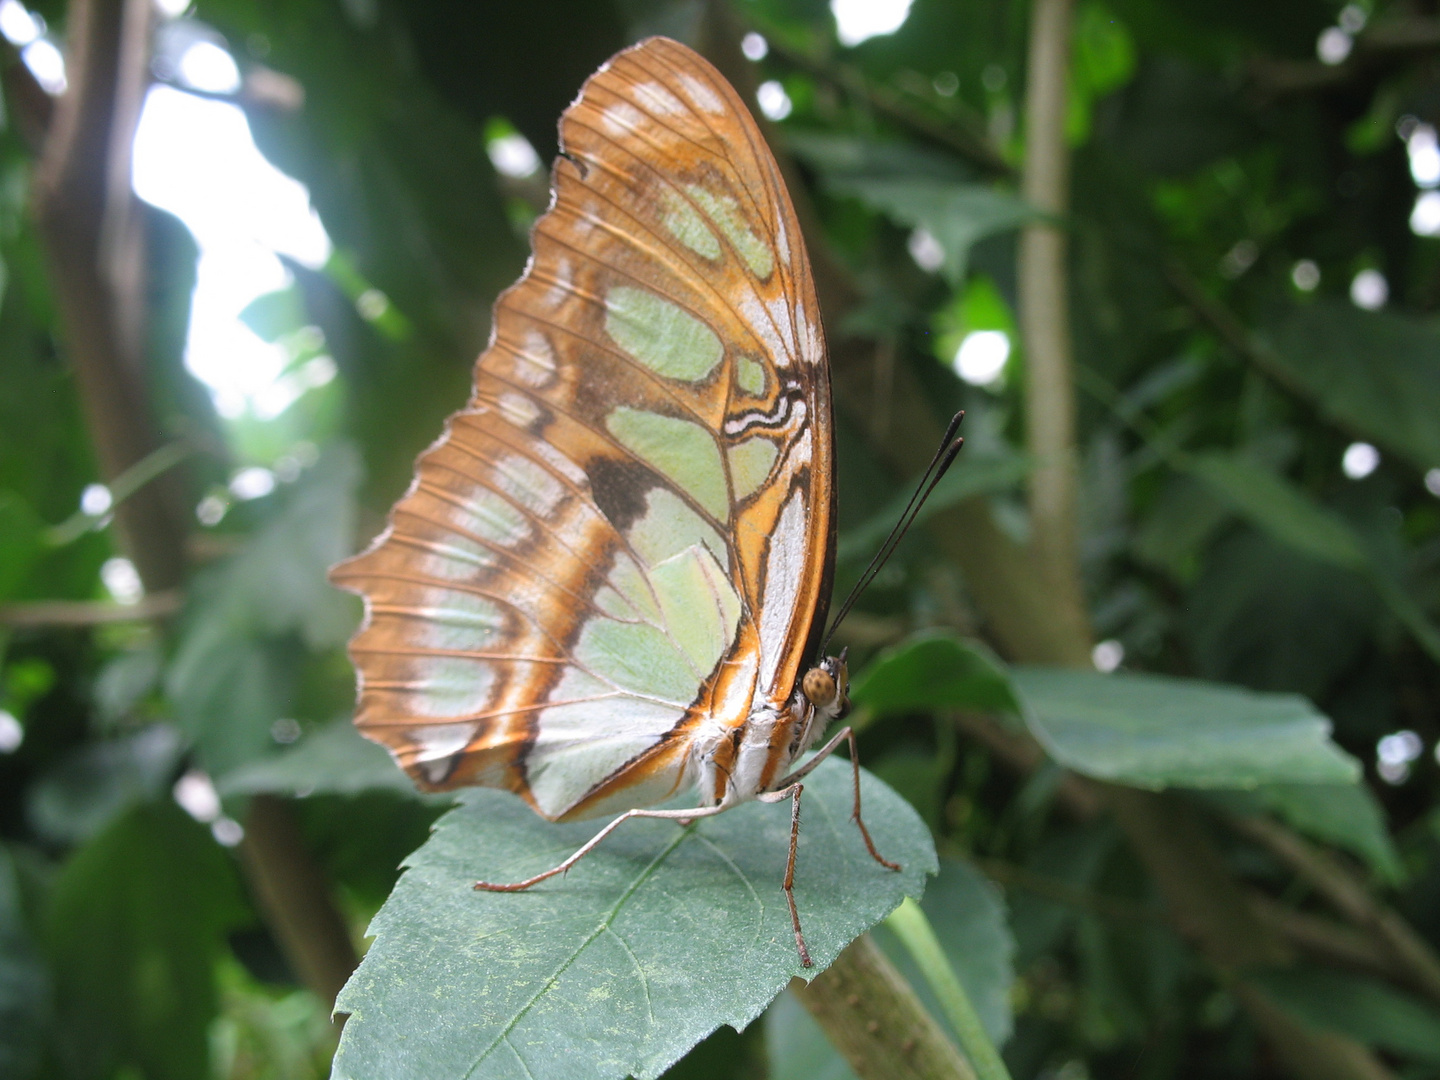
(793, 794)
(843, 735)
(682, 816)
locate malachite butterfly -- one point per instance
(602, 587)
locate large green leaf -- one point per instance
(934, 670)
(1363, 1008)
(335, 760)
(1374, 373)
(24, 983)
(1156, 732)
(136, 921)
(653, 941)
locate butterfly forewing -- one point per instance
(625, 534)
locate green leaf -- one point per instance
(651, 942)
(935, 670)
(1292, 517)
(955, 214)
(968, 478)
(21, 542)
(98, 780)
(1178, 527)
(1279, 508)
(1363, 1008)
(1266, 617)
(1373, 373)
(136, 921)
(335, 760)
(850, 157)
(25, 1002)
(227, 689)
(233, 671)
(1345, 815)
(1155, 732)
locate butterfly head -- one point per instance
(827, 686)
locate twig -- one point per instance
(1325, 939)
(72, 613)
(1234, 335)
(1412, 955)
(124, 486)
(1390, 38)
(869, 1013)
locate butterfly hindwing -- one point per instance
(625, 534)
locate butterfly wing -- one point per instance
(625, 537)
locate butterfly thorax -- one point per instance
(734, 765)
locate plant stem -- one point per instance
(290, 888)
(1045, 327)
(871, 1015)
(910, 925)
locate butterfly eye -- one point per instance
(819, 687)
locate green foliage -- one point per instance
(1155, 732)
(333, 760)
(1276, 618)
(134, 927)
(935, 670)
(652, 941)
(1371, 1011)
(1390, 398)
(232, 674)
(25, 991)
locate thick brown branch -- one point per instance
(94, 245)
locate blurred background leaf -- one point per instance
(1254, 279)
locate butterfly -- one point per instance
(607, 577)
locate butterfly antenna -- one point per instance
(939, 465)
